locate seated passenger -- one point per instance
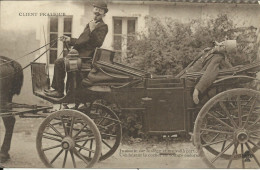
(92, 37)
(210, 61)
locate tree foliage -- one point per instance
(169, 45)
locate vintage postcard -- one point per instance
(130, 84)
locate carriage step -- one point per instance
(50, 99)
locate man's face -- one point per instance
(98, 11)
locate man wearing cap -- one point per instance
(210, 61)
(92, 37)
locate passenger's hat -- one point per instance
(102, 5)
(228, 46)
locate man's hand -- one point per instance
(196, 96)
(92, 25)
(65, 38)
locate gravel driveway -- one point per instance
(138, 155)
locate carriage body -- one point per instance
(165, 103)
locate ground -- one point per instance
(147, 154)
(135, 153)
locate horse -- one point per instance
(11, 81)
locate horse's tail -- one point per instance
(17, 77)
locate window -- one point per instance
(59, 26)
(123, 32)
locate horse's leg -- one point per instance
(9, 127)
(9, 123)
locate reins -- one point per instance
(55, 41)
(29, 52)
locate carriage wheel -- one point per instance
(63, 134)
(109, 126)
(227, 130)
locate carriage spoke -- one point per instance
(91, 143)
(248, 101)
(216, 142)
(242, 152)
(257, 146)
(219, 113)
(52, 147)
(63, 124)
(224, 143)
(86, 149)
(220, 121)
(253, 124)
(84, 145)
(108, 135)
(81, 156)
(71, 126)
(73, 159)
(252, 153)
(87, 131)
(51, 138)
(232, 156)
(57, 123)
(239, 111)
(109, 118)
(111, 125)
(65, 158)
(101, 127)
(255, 137)
(106, 144)
(228, 114)
(55, 130)
(222, 152)
(86, 139)
(215, 137)
(80, 131)
(216, 131)
(83, 136)
(250, 112)
(254, 131)
(103, 118)
(52, 134)
(56, 156)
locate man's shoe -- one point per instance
(54, 94)
(4, 157)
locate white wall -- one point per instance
(22, 34)
(11, 21)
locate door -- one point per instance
(165, 111)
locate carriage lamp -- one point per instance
(72, 61)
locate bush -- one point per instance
(169, 45)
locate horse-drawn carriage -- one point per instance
(226, 128)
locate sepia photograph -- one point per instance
(105, 84)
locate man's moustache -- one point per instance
(97, 13)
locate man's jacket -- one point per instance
(209, 64)
(88, 41)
